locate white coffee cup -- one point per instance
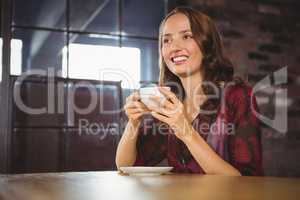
(147, 92)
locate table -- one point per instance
(114, 185)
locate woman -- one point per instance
(207, 124)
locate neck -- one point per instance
(193, 94)
(192, 86)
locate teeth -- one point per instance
(179, 58)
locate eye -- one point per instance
(166, 40)
(187, 36)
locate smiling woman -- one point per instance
(178, 47)
(207, 122)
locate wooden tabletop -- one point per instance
(113, 185)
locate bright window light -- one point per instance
(0, 59)
(103, 63)
(15, 59)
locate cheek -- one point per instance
(198, 53)
(164, 54)
(198, 61)
(200, 57)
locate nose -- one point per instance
(176, 45)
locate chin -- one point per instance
(181, 74)
(182, 71)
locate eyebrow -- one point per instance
(184, 31)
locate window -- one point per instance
(100, 62)
(15, 59)
(1, 59)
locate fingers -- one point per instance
(135, 105)
(134, 109)
(136, 116)
(169, 95)
(135, 113)
(165, 107)
(160, 117)
(135, 96)
(132, 113)
(163, 111)
(133, 101)
(164, 103)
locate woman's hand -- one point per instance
(171, 111)
(134, 108)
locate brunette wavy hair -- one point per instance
(216, 68)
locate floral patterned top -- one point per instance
(234, 134)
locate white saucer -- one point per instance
(145, 171)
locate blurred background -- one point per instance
(78, 41)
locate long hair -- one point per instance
(216, 68)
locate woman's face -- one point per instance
(180, 51)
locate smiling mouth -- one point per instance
(179, 59)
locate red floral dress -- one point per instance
(234, 134)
